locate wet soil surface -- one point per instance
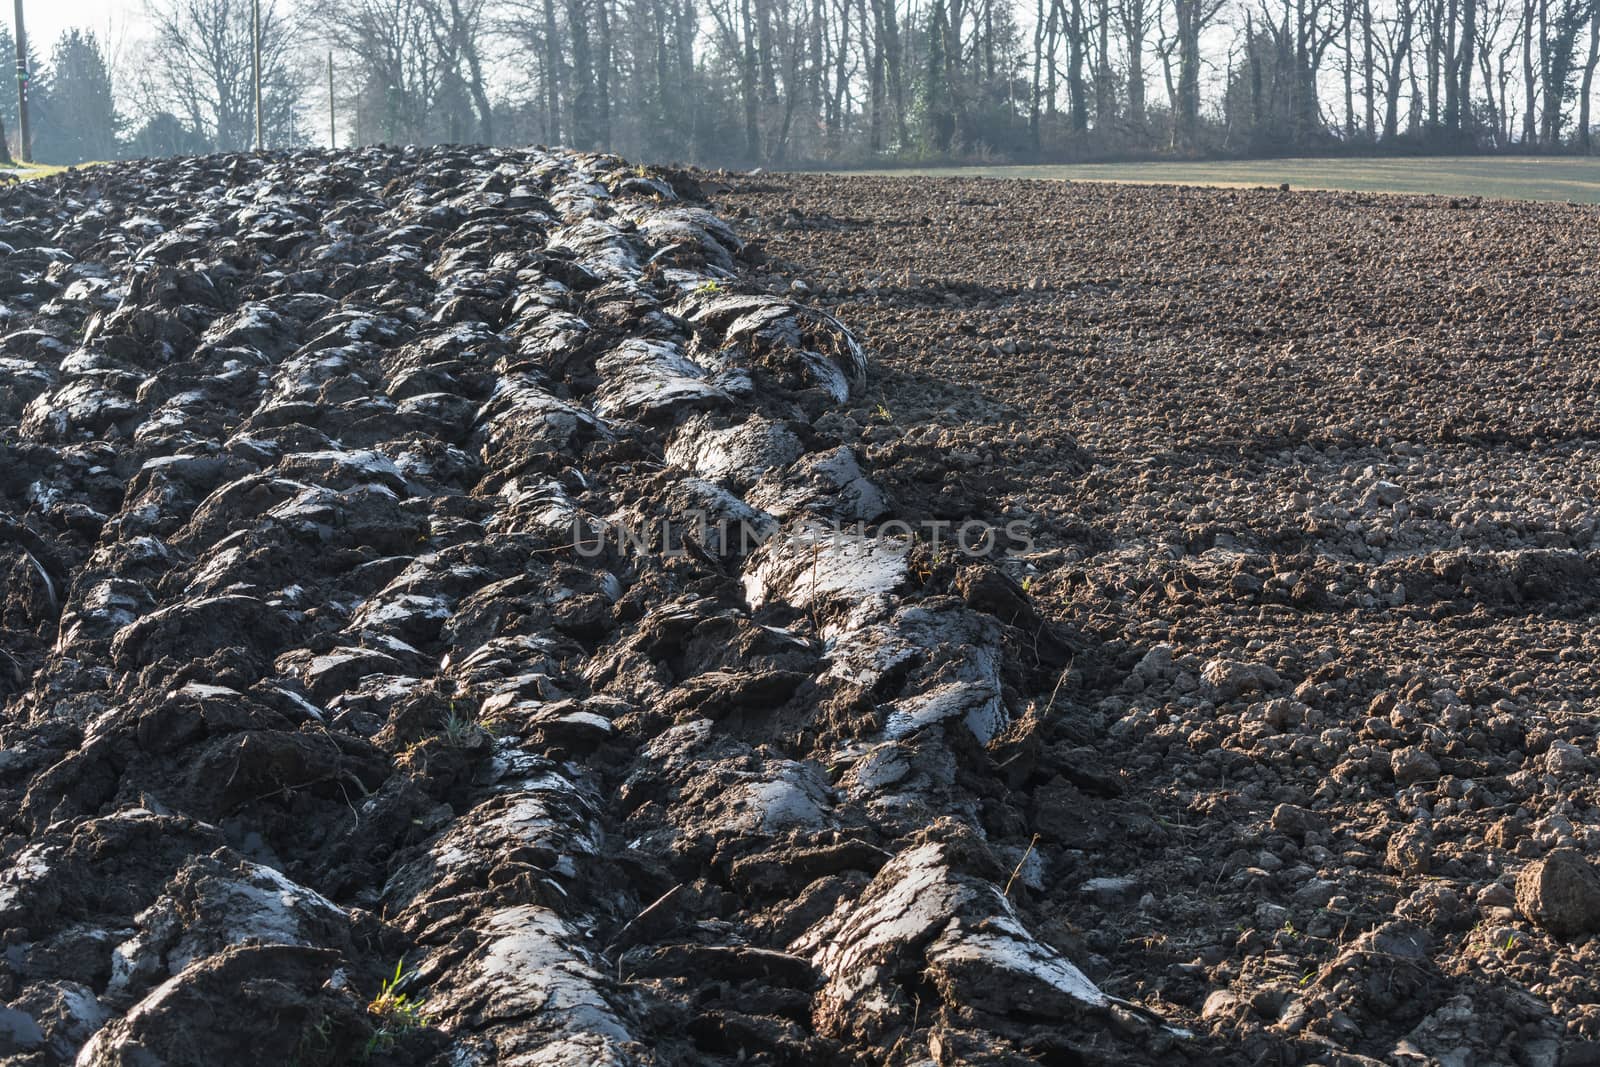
(1314, 478)
(478, 607)
(360, 707)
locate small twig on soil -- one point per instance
(1395, 343)
(644, 915)
(916, 1016)
(1061, 681)
(345, 793)
(1020, 862)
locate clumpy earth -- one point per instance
(480, 607)
(1314, 475)
(444, 622)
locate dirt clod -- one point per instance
(1238, 443)
(1561, 892)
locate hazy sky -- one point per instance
(116, 21)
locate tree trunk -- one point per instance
(1435, 48)
(939, 129)
(665, 109)
(988, 39)
(1397, 62)
(1530, 131)
(1165, 47)
(1560, 57)
(1038, 65)
(1104, 89)
(819, 64)
(747, 84)
(1253, 58)
(894, 62)
(583, 87)
(1052, 35)
(552, 73)
(1368, 69)
(1586, 98)
(769, 72)
(954, 60)
(1551, 119)
(1308, 114)
(1492, 114)
(602, 78)
(1077, 90)
(1349, 76)
(1452, 71)
(1187, 126)
(830, 99)
(686, 27)
(1502, 75)
(1133, 31)
(876, 95)
(1464, 48)
(467, 43)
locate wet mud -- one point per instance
(449, 618)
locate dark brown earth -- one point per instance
(1317, 475)
(357, 706)
(338, 723)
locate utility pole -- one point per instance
(333, 127)
(24, 139)
(255, 65)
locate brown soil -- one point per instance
(334, 729)
(1349, 438)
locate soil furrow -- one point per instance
(444, 623)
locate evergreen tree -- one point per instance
(164, 134)
(79, 120)
(8, 80)
(38, 88)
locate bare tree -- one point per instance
(756, 81)
(1586, 90)
(198, 68)
(1193, 17)
(1369, 81)
(1136, 17)
(1494, 68)
(534, 31)
(1398, 33)
(457, 27)
(409, 70)
(1559, 40)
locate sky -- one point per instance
(120, 25)
(116, 21)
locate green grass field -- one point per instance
(27, 172)
(1509, 178)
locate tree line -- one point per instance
(70, 100)
(772, 82)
